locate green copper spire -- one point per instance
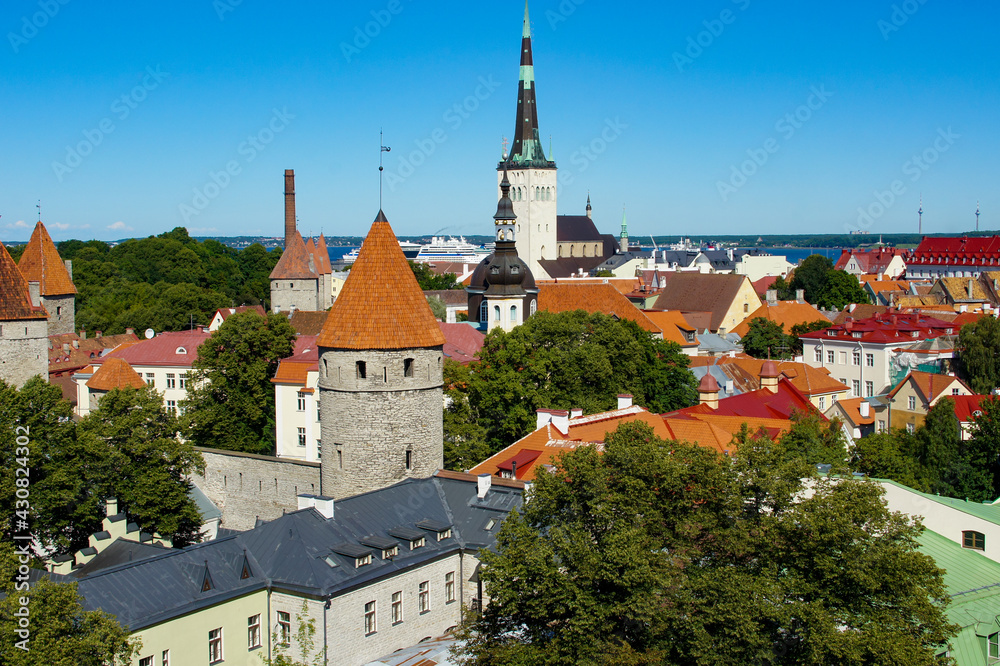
(624, 238)
(527, 150)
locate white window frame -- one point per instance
(215, 654)
(284, 627)
(911, 403)
(397, 607)
(371, 620)
(300, 403)
(424, 597)
(449, 587)
(253, 632)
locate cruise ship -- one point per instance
(409, 248)
(456, 250)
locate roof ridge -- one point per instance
(16, 303)
(41, 263)
(294, 261)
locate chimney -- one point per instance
(35, 293)
(65, 347)
(970, 289)
(111, 507)
(708, 391)
(129, 331)
(201, 328)
(76, 344)
(560, 419)
(542, 417)
(83, 334)
(624, 401)
(772, 297)
(575, 413)
(69, 267)
(98, 334)
(325, 506)
(289, 205)
(769, 376)
(800, 295)
(306, 501)
(483, 483)
(865, 409)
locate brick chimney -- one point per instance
(289, 205)
(769, 376)
(772, 297)
(708, 391)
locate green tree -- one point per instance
(784, 289)
(814, 440)
(132, 453)
(979, 477)
(979, 355)
(890, 455)
(464, 439)
(662, 552)
(230, 403)
(572, 359)
(438, 308)
(840, 289)
(766, 339)
(811, 276)
(304, 644)
(939, 448)
(431, 281)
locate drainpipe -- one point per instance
(461, 580)
(326, 607)
(268, 622)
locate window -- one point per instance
(397, 607)
(424, 597)
(370, 625)
(302, 436)
(319, 416)
(146, 661)
(172, 406)
(407, 367)
(954, 391)
(819, 355)
(856, 357)
(994, 646)
(881, 425)
(483, 311)
(869, 389)
(59, 312)
(284, 627)
(149, 378)
(911, 403)
(362, 561)
(215, 646)
(171, 380)
(870, 360)
(340, 458)
(974, 540)
(409, 458)
(182, 381)
(822, 402)
(746, 308)
(361, 370)
(390, 553)
(496, 313)
(165, 658)
(449, 587)
(300, 403)
(446, 534)
(253, 632)
(534, 306)
(417, 543)
(856, 388)
(830, 357)
(910, 428)
(513, 314)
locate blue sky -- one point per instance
(730, 116)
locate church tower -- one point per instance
(380, 375)
(502, 292)
(532, 174)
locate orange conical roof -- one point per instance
(115, 373)
(294, 262)
(41, 263)
(15, 300)
(381, 305)
(324, 256)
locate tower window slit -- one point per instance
(408, 367)
(362, 370)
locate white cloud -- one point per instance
(60, 226)
(20, 224)
(201, 230)
(119, 226)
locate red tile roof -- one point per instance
(761, 286)
(874, 261)
(171, 349)
(381, 305)
(15, 299)
(756, 404)
(115, 373)
(852, 409)
(889, 328)
(785, 313)
(462, 342)
(968, 407)
(930, 385)
(41, 263)
(294, 262)
(674, 326)
(295, 368)
(569, 295)
(956, 251)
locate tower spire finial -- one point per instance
(526, 33)
(382, 149)
(39, 207)
(526, 149)
(977, 216)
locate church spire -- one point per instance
(624, 236)
(527, 148)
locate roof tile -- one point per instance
(41, 263)
(15, 303)
(115, 373)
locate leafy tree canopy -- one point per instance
(811, 276)
(465, 442)
(979, 355)
(840, 289)
(799, 329)
(660, 552)
(572, 359)
(431, 281)
(766, 339)
(230, 403)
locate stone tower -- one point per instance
(24, 346)
(295, 280)
(532, 174)
(502, 291)
(380, 375)
(41, 263)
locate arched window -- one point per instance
(513, 315)
(560, 250)
(571, 250)
(534, 306)
(484, 313)
(496, 313)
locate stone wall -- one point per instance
(297, 294)
(24, 350)
(384, 426)
(62, 313)
(246, 487)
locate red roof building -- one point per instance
(883, 261)
(953, 257)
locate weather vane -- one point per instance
(383, 149)
(39, 207)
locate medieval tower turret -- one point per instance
(380, 375)
(303, 272)
(24, 348)
(41, 263)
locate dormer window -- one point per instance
(515, 270)
(389, 553)
(446, 534)
(362, 561)
(831, 334)
(181, 350)
(856, 334)
(417, 543)
(974, 540)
